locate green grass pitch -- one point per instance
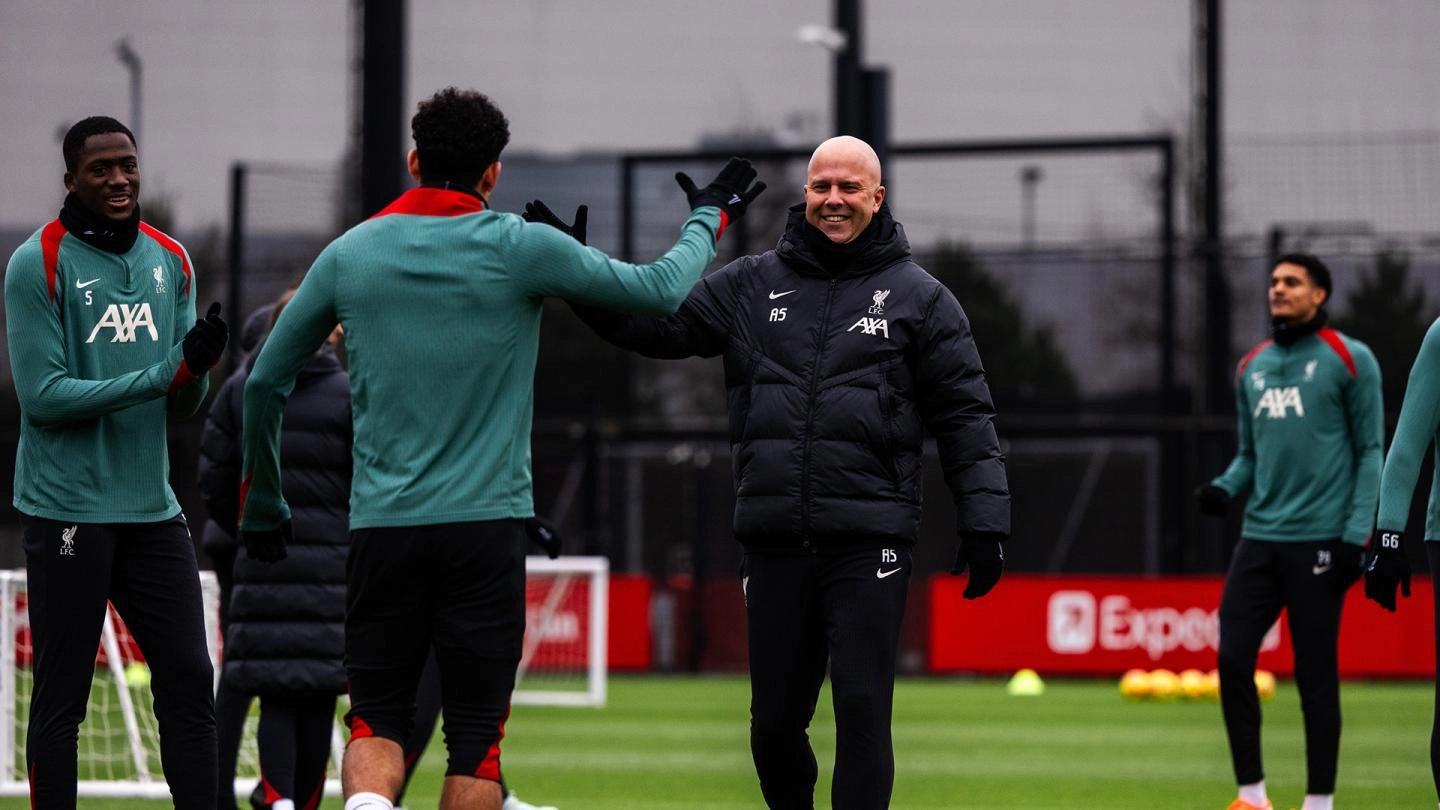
(682, 742)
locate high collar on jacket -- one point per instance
(887, 247)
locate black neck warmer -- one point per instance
(1286, 333)
(451, 185)
(836, 256)
(97, 231)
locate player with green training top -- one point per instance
(440, 297)
(100, 315)
(1311, 427)
(1388, 568)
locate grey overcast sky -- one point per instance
(269, 79)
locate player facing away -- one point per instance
(1311, 426)
(104, 346)
(840, 354)
(1388, 569)
(440, 297)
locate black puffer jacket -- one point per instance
(287, 620)
(833, 376)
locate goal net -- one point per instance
(563, 664)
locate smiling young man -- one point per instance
(1311, 427)
(100, 314)
(840, 354)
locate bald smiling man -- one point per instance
(841, 353)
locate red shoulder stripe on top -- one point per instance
(1245, 361)
(1333, 338)
(50, 237)
(433, 202)
(172, 246)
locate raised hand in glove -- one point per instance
(205, 342)
(984, 554)
(536, 211)
(543, 534)
(1386, 569)
(1211, 499)
(267, 545)
(731, 191)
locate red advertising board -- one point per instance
(1106, 625)
(558, 615)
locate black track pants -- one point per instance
(148, 570)
(1308, 580)
(801, 612)
(294, 744)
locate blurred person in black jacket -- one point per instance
(220, 545)
(284, 628)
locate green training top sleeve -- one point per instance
(556, 265)
(1419, 421)
(186, 401)
(299, 332)
(1366, 412)
(1240, 475)
(47, 394)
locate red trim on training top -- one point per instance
(433, 202)
(50, 237)
(1333, 338)
(1245, 361)
(170, 245)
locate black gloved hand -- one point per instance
(543, 533)
(536, 211)
(984, 554)
(1386, 569)
(204, 344)
(268, 545)
(731, 190)
(1212, 499)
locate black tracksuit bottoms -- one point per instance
(1308, 580)
(803, 610)
(148, 571)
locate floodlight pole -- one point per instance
(382, 142)
(849, 81)
(131, 60)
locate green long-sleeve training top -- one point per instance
(1419, 421)
(94, 351)
(440, 300)
(1311, 430)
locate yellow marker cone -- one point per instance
(1025, 683)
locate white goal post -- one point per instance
(563, 663)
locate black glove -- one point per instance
(544, 535)
(1212, 499)
(1387, 568)
(984, 554)
(537, 211)
(730, 191)
(269, 545)
(205, 342)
